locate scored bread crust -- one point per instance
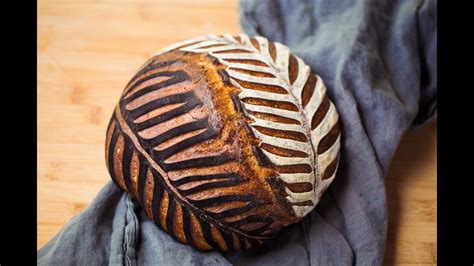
(224, 140)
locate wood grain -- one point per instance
(87, 51)
(411, 194)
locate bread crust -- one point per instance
(193, 141)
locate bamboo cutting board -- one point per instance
(87, 51)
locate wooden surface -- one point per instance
(87, 51)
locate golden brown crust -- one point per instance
(118, 154)
(179, 142)
(148, 194)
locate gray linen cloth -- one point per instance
(378, 60)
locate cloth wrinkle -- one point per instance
(341, 213)
(305, 226)
(131, 228)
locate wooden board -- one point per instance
(87, 51)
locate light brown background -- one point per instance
(87, 51)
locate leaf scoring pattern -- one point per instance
(277, 68)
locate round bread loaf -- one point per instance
(224, 140)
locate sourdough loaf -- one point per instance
(224, 140)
